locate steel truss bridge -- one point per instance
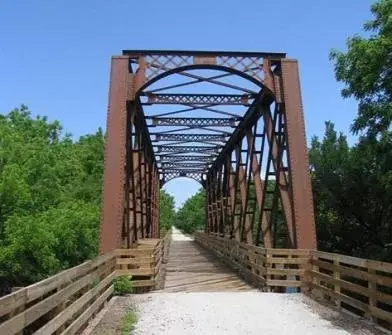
(232, 121)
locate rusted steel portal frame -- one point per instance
(256, 177)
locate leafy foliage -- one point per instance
(366, 71)
(122, 285)
(352, 190)
(191, 216)
(166, 210)
(50, 194)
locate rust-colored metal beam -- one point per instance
(301, 196)
(115, 156)
(268, 119)
(199, 99)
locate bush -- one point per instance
(123, 285)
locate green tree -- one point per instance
(366, 71)
(352, 189)
(191, 216)
(50, 191)
(166, 210)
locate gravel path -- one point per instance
(240, 313)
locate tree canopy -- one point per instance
(166, 210)
(191, 216)
(366, 71)
(50, 195)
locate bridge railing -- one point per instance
(144, 263)
(61, 303)
(65, 302)
(360, 286)
(269, 269)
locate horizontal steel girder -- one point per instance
(184, 165)
(195, 53)
(199, 171)
(190, 137)
(195, 158)
(199, 99)
(194, 121)
(169, 148)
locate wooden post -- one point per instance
(372, 290)
(336, 275)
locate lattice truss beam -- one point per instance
(231, 121)
(200, 99)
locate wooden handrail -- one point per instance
(65, 302)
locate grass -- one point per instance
(123, 285)
(128, 322)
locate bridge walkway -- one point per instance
(191, 268)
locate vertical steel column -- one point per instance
(231, 197)
(247, 225)
(209, 206)
(136, 177)
(143, 194)
(242, 217)
(258, 185)
(221, 200)
(298, 163)
(115, 157)
(156, 202)
(237, 213)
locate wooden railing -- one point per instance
(360, 286)
(64, 303)
(269, 269)
(144, 263)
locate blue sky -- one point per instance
(55, 55)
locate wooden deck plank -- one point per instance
(191, 268)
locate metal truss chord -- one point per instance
(199, 99)
(169, 148)
(190, 137)
(184, 165)
(196, 158)
(198, 122)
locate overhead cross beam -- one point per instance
(199, 99)
(184, 165)
(197, 158)
(183, 148)
(190, 137)
(194, 121)
(186, 171)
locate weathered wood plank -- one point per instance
(286, 272)
(20, 321)
(30, 293)
(284, 283)
(85, 316)
(135, 272)
(342, 297)
(282, 260)
(342, 283)
(67, 314)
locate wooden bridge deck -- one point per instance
(191, 268)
